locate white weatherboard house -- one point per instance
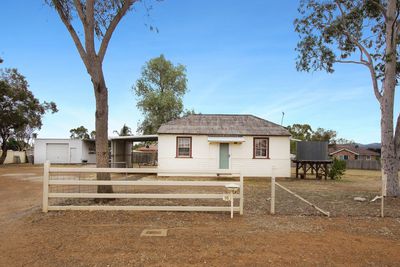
(239, 142)
(63, 151)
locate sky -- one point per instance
(239, 55)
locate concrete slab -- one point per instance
(154, 232)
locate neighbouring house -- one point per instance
(352, 152)
(238, 142)
(148, 149)
(64, 151)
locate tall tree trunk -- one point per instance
(102, 152)
(390, 165)
(91, 17)
(4, 152)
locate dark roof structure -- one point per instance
(352, 149)
(223, 125)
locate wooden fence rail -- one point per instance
(223, 185)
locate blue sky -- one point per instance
(239, 55)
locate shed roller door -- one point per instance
(57, 153)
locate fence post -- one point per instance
(46, 170)
(383, 193)
(272, 191)
(241, 193)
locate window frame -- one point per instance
(254, 148)
(190, 147)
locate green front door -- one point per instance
(224, 156)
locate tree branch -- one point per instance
(112, 26)
(369, 63)
(89, 29)
(397, 20)
(79, 9)
(379, 5)
(352, 61)
(71, 30)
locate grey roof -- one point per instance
(223, 125)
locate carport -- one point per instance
(121, 149)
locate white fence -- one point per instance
(228, 176)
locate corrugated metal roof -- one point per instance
(136, 138)
(223, 125)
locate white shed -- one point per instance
(238, 142)
(64, 151)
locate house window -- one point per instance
(184, 147)
(368, 157)
(260, 148)
(345, 157)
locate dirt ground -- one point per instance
(297, 235)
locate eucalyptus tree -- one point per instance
(98, 18)
(160, 92)
(79, 133)
(364, 33)
(21, 112)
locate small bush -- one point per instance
(337, 169)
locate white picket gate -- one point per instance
(227, 174)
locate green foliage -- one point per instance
(334, 31)
(93, 134)
(79, 133)
(343, 141)
(324, 135)
(16, 144)
(300, 131)
(304, 132)
(105, 11)
(125, 131)
(21, 113)
(337, 170)
(188, 112)
(160, 91)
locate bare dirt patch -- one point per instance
(297, 235)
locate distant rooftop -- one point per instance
(352, 148)
(223, 125)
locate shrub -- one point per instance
(337, 170)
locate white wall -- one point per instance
(205, 156)
(41, 144)
(91, 158)
(10, 156)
